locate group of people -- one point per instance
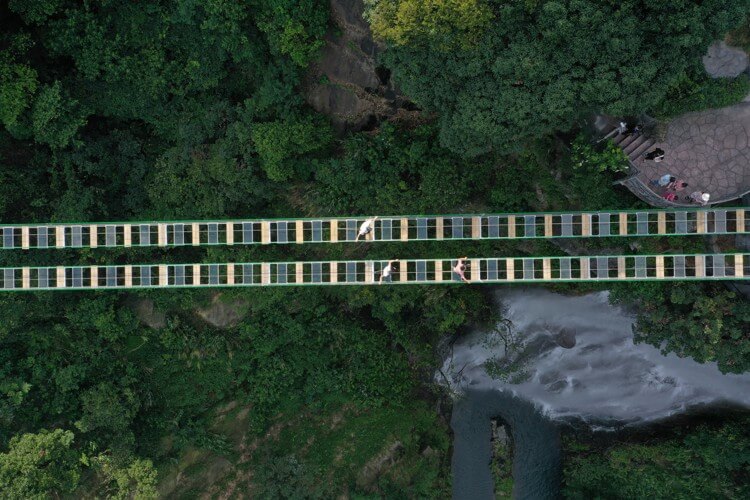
(671, 186)
(459, 269)
(387, 272)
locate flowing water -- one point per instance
(577, 362)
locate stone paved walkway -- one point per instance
(710, 150)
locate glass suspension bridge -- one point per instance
(403, 229)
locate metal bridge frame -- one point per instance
(683, 267)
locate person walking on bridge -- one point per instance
(460, 269)
(366, 227)
(385, 274)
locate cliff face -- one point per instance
(346, 83)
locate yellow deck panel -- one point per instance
(739, 270)
(61, 277)
(586, 224)
(334, 278)
(476, 227)
(265, 273)
(701, 222)
(475, 270)
(128, 276)
(25, 244)
(369, 271)
(741, 221)
(659, 266)
(25, 277)
(404, 229)
(510, 269)
(439, 228)
(546, 268)
(229, 228)
(196, 274)
(700, 267)
(334, 231)
(585, 268)
(548, 226)
(299, 231)
(163, 275)
(127, 237)
(93, 236)
(265, 232)
(661, 223)
(439, 271)
(94, 283)
(621, 273)
(60, 236)
(623, 219)
(230, 274)
(162, 234)
(195, 234)
(511, 226)
(299, 273)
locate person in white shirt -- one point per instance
(700, 197)
(366, 227)
(385, 274)
(460, 268)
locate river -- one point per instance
(577, 362)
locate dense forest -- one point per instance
(121, 110)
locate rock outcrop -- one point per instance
(346, 83)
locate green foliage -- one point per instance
(280, 144)
(37, 466)
(705, 463)
(387, 452)
(136, 479)
(740, 36)
(104, 406)
(397, 171)
(56, 118)
(704, 322)
(587, 158)
(18, 82)
(435, 23)
(542, 67)
(294, 27)
(687, 94)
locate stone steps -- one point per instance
(641, 149)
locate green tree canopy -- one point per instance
(704, 322)
(431, 22)
(37, 465)
(542, 66)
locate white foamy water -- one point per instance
(604, 376)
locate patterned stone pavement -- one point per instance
(723, 61)
(710, 150)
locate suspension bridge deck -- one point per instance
(734, 266)
(391, 228)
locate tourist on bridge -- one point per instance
(366, 227)
(460, 269)
(656, 155)
(700, 197)
(665, 181)
(385, 274)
